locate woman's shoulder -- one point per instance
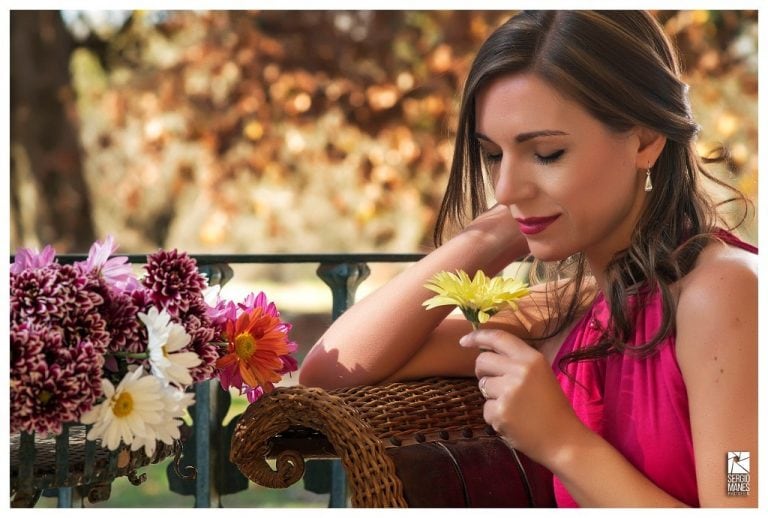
(720, 265)
(723, 280)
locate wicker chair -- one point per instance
(415, 444)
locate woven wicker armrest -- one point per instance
(363, 426)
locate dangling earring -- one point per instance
(648, 184)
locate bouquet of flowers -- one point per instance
(91, 343)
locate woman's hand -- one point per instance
(526, 406)
(525, 403)
(499, 228)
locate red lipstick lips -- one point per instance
(530, 226)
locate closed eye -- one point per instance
(548, 159)
(492, 158)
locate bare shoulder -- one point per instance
(716, 300)
(722, 272)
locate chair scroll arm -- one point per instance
(351, 439)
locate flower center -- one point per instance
(44, 396)
(123, 405)
(165, 351)
(245, 345)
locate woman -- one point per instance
(632, 371)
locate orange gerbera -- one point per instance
(256, 341)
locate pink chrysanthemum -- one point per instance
(116, 272)
(254, 394)
(259, 300)
(51, 382)
(29, 259)
(217, 309)
(290, 364)
(173, 281)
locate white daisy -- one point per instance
(129, 411)
(166, 341)
(175, 402)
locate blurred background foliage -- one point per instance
(277, 131)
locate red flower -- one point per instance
(257, 341)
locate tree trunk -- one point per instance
(50, 203)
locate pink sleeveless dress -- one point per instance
(639, 405)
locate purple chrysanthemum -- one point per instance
(58, 341)
(173, 281)
(120, 312)
(59, 296)
(126, 333)
(52, 382)
(198, 325)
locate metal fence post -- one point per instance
(62, 468)
(202, 427)
(343, 279)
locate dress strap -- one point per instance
(731, 239)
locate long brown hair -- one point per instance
(619, 66)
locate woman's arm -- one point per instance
(717, 354)
(378, 335)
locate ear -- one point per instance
(650, 145)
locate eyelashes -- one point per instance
(492, 158)
(495, 158)
(552, 157)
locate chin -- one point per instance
(548, 253)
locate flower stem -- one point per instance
(125, 354)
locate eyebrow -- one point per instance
(522, 137)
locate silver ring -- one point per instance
(483, 380)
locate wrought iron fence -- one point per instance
(68, 461)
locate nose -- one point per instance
(511, 185)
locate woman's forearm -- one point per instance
(377, 335)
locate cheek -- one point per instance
(606, 172)
(594, 186)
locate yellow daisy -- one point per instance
(479, 298)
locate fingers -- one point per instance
(503, 353)
(481, 386)
(497, 341)
(490, 363)
(490, 386)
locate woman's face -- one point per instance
(572, 183)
